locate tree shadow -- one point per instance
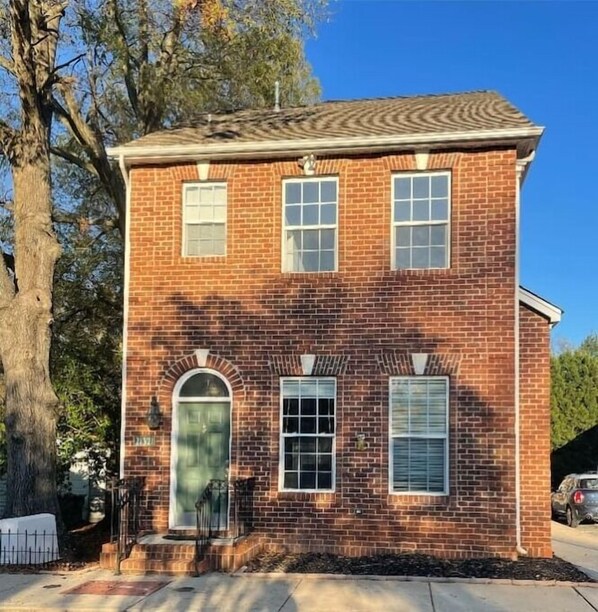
(578, 455)
(290, 315)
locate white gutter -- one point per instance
(123, 411)
(520, 170)
(256, 149)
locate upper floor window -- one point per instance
(204, 219)
(421, 220)
(310, 224)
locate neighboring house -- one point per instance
(82, 483)
(327, 299)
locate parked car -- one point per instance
(576, 499)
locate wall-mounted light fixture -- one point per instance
(154, 414)
(360, 441)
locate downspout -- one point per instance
(123, 413)
(519, 170)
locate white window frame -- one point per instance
(186, 224)
(283, 436)
(446, 438)
(286, 265)
(394, 224)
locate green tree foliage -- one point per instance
(144, 65)
(149, 64)
(590, 345)
(126, 68)
(574, 392)
(87, 328)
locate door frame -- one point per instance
(175, 432)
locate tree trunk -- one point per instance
(25, 336)
(26, 292)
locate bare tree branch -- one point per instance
(88, 136)
(74, 60)
(106, 224)
(75, 122)
(9, 138)
(7, 65)
(129, 60)
(74, 159)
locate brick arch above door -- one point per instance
(195, 361)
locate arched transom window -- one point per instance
(204, 385)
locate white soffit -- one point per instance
(535, 302)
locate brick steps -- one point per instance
(165, 567)
(179, 559)
(163, 551)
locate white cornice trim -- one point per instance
(273, 148)
(535, 302)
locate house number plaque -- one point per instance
(144, 440)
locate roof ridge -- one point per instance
(320, 103)
(410, 96)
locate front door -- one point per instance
(202, 454)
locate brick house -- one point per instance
(327, 299)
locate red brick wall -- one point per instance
(534, 365)
(251, 316)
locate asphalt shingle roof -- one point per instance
(401, 116)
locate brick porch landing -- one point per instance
(153, 554)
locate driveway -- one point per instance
(578, 546)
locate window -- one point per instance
(421, 212)
(418, 432)
(308, 427)
(309, 238)
(204, 219)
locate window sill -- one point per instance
(324, 274)
(307, 495)
(423, 271)
(419, 499)
(202, 258)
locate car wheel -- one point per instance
(572, 521)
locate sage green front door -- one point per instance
(202, 453)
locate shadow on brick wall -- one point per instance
(297, 315)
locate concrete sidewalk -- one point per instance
(285, 593)
(578, 546)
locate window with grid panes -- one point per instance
(204, 219)
(310, 224)
(308, 431)
(419, 435)
(421, 220)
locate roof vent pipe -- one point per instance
(276, 96)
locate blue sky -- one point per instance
(543, 56)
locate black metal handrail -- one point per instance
(242, 507)
(203, 518)
(224, 509)
(124, 523)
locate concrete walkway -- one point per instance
(578, 546)
(285, 593)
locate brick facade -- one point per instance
(361, 322)
(534, 365)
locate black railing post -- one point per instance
(203, 516)
(125, 517)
